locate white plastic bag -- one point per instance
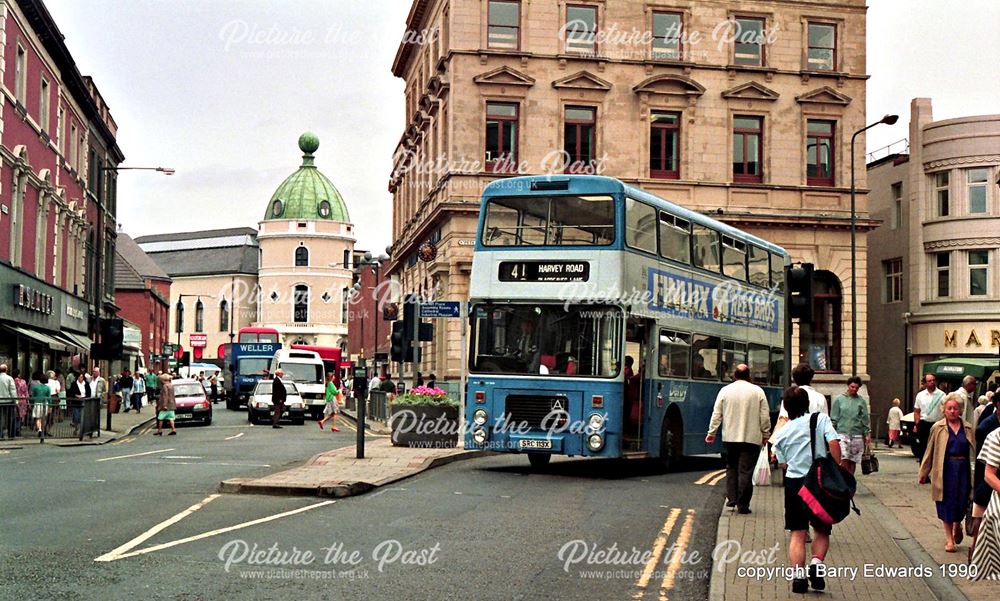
(762, 471)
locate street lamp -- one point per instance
(888, 120)
(163, 170)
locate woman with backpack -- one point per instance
(791, 445)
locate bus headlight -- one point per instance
(595, 422)
(479, 417)
(595, 442)
(479, 436)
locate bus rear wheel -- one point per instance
(539, 460)
(671, 441)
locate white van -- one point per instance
(305, 368)
(206, 369)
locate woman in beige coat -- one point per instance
(947, 462)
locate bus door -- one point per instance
(635, 353)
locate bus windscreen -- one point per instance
(550, 221)
(303, 373)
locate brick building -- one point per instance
(142, 290)
(741, 109)
(58, 157)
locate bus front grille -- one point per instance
(532, 410)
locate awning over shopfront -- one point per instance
(42, 338)
(79, 341)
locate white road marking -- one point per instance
(135, 455)
(220, 531)
(181, 457)
(203, 463)
(135, 542)
(235, 436)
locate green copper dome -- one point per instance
(307, 193)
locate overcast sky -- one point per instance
(221, 89)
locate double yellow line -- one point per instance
(679, 549)
(711, 478)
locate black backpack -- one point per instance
(828, 489)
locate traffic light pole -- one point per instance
(788, 332)
(414, 335)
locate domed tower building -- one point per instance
(306, 241)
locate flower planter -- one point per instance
(424, 426)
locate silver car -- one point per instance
(260, 409)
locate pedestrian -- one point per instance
(99, 385)
(432, 381)
(278, 396)
(63, 385)
(388, 386)
(41, 397)
(420, 379)
(947, 461)
(894, 422)
(852, 420)
(981, 490)
(375, 384)
(138, 389)
(8, 398)
(927, 410)
(985, 554)
(151, 383)
(78, 391)
(22, 400)
(213, 384)
(802, 375)
(166, 406)
(125, 388)
(967, 392)
(793, 448)
(55, 389)
(741, 408)
(981, 404)
(332, 407)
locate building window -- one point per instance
(180, 317)
(581, 29)
(749, 42)
(73, 147)
(893, 286)
(579, 139)
(199, 316)
(43, 106)
(822, 47)
(666, 36)
(504, 25)
(819, 340)
(347, 258)
(301, 304)
(979, 272)
(944, 275)
(896, 219)
(345, 304)
(977, 179)
(664, 147)
(302, 257)
(224, 316)
(941, 193)
(747, 149)
(819, 153)
(20, 74)
(501, 137)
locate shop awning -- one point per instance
(39, 337)
(81, 342)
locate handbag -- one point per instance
(762, 471)
(869, 462)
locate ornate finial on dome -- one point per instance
(308, 143)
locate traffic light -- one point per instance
(800, 294)
(112, 340)
(399, 342)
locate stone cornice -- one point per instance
(979, 159)
(971, 243)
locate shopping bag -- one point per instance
(340, 399)
(762, 471)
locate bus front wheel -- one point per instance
(538, 460)
(671, 440)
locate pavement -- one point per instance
(122, 425)
(891, 562)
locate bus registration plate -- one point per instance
(534, 444)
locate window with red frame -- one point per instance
(578, 139)
(664, 145)
(501, 137)
(819, 153)
(748, 149)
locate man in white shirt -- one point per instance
(927, 409)
(741, 408)
(98, 385)
(8, 396)
(802, 375)
(967, 394)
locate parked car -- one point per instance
(260, 409)
(192, 402)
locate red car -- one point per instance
(192, 402)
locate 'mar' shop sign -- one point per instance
(32, 300)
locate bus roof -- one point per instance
(960, 366)
(257, 330)
(599, 184)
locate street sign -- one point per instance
(440, 309)
(199, 340)
(169, 349)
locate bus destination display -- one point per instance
(544, 271)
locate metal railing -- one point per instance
(25, 419)
(378, 406)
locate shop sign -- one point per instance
(199, 340)
(132, 337)
(32, 300)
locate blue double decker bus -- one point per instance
(604, 320)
